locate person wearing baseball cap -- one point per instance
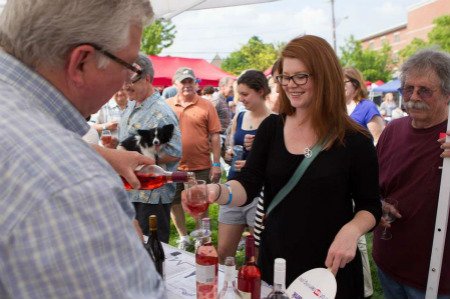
(200, 136)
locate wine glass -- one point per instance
(389, 206)
(106, 136)
(196, 203)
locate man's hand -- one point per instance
(215, 173)
(124, 163)
(112, 143)
(112, 125)
(445, 146)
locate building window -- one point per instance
(395, 57)
(371, 45)
(396, 37)
(383, 40)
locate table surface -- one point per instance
(180, 274)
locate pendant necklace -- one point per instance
(308, 152)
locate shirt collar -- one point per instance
(41, 93)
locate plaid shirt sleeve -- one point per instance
(63, 249)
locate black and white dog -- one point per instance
(148, 142)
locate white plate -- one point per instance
(318, 283)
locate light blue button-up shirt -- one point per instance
(65, 218)
(153, 112)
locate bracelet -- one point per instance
(220, 192)
(216, 164)
(230, 194)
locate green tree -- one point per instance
(158, 36)
(412, 48)
(438, 36)
(254, 55)
(375, 65)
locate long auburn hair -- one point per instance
(328, 111)
(357, 80)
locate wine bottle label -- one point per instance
(205, 274)
(245, 295)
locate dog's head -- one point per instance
(155, 136)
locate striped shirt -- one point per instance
(65, 218)
(153, 112)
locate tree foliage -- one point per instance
(254, 55)
(438, 36)
(158, 36)
(412, 48)
(375, 65)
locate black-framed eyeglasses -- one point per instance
(298, 79)
(137, 72)
(423, 92)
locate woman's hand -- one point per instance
(228, 156)
(239, 164)
(248, 141)
(343, 249)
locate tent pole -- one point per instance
(440, 230)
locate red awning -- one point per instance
(166, 66)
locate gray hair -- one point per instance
(146, 65)
(428, 60)
(42, 32)
(225, 80)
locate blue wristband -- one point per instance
(230, 195)
(216, 164)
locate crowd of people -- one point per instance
(70, 229)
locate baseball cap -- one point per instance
(183, 73)
(143, 63)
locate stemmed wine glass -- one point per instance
(196, 203)
(389, 206)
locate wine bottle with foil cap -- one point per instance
(249, 275)
(279, 280)
(155, 246)
(153, 176)
(229, 289)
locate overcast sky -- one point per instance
(202, 34)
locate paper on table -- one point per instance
(180, 274)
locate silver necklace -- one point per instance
(308, 152)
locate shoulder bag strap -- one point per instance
(296, 177)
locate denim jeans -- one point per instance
(395, 290)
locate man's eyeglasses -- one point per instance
(298, 79)
(137, 73)
(423, 92)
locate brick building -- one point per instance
(419, 22)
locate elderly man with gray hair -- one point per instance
(66, 219)
(219, 100)
(410, 160)
(147, 110)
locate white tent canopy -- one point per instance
(169, 8)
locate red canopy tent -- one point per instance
(166, 66)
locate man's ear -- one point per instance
(77, 64)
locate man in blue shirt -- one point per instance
(147, 110)
(66, 220)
